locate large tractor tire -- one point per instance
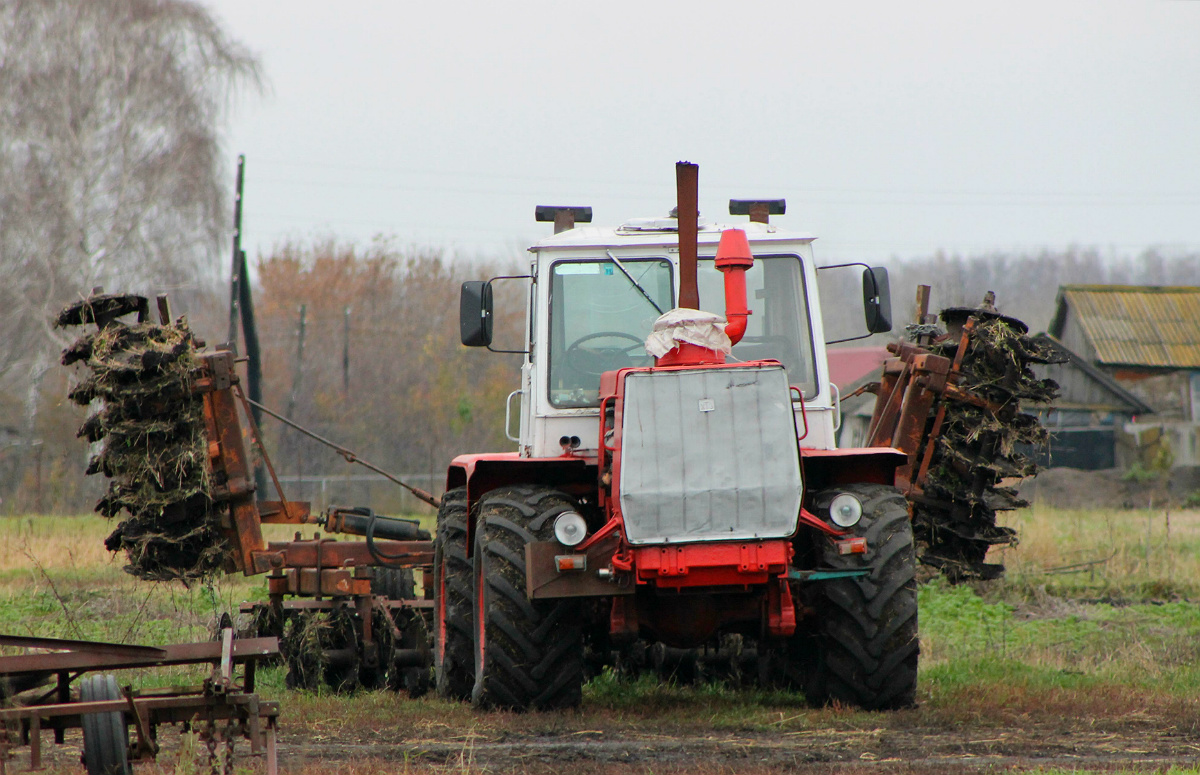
(528, 653)
(453, 630)
(105, 735)
(866, 648)
(394, 583)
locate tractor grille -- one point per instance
(709, 454)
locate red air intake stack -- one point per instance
(734, 258)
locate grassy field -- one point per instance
(1093, 632)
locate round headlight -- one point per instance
(569, 528)
(845, 510)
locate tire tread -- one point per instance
(533, 655)
(455, 672)
(868, 647)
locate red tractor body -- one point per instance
(687, 528)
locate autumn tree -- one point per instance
(381, 370)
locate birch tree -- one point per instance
(110, 165)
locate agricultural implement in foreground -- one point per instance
(169, 423)
(220, 711)
(677, 500)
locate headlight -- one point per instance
(569, 528)
(845, 510)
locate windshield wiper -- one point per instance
(635, 283)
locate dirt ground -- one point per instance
(1070, 488)
(890, 748)
(895, 745)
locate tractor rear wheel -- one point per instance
(453, 632)
(528, 653)
(866, 648)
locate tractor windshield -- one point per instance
(599, 321)
(778, 326)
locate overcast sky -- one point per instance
(893, 129)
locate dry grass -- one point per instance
(1143, 547)
(76, 543)
(54, 542)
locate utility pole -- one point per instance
(235, 276)
(346, 351)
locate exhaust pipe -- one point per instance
(733, 259)
(687, 211)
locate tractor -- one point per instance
(676, 489)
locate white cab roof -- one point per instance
(654, 232)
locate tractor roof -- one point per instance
(654, 232)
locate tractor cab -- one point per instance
(595, 295)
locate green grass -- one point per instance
(1126, 620)
(1107, 658)
(1109, 647)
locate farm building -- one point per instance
(1087, 419)
(849, 369)
(1143, 341)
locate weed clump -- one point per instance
(147, 425)
(978, 453)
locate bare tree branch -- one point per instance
(110, 164)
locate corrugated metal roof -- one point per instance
(1139, 325)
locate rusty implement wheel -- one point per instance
(105, 735)
(410, 670)
(342, 658)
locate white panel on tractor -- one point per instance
(709, 454)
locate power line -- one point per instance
(1083, 197)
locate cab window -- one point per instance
(599, 321)
(778, 326)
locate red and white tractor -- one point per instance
(677, 489)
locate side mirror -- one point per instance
(475, 313)
(877, 300)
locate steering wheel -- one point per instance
(594, 361)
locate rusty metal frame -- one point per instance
(219, 698)
(80, 658)
(312, 570)
(911, 384)
(231, 469)
(179, 708)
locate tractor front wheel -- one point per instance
(866, 646)
(528, 653)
